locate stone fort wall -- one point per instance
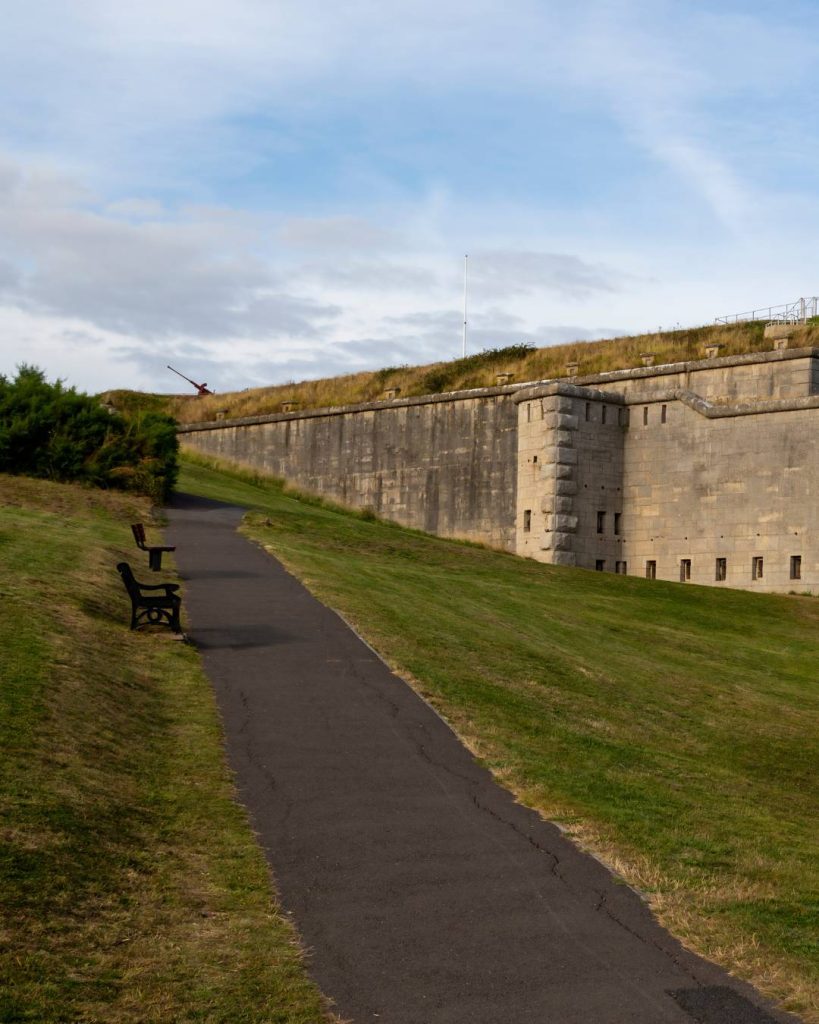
(706, 471)
(446, 464)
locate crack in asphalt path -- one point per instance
(424, 892)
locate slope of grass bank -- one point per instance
(478, 370)
(672, 729)
(131, 887)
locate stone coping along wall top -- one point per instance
(343, 410)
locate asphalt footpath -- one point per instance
(423, 893)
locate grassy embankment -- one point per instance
(131, 887)
(672, 729)
(477, 370)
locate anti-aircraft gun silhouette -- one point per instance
(201, 389)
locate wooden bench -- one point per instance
(154, 552)
(149, 608)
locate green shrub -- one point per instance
(53, 432)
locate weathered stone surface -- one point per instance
(560, 421)
(556, 471)
(564, 558)
(561, 523)
(567, 456)
(562, 541)
(448, 467)
(717, 460)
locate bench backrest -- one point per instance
(128, 579)
(138, 531)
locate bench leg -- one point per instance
(155, 559)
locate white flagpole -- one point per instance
(463, 346)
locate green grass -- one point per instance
(132, 889)
(672, 729)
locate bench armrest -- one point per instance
(167, 587)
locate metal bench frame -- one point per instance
(149, 608)
(154, 551)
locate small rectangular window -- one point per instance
(534, 458)
(527, 520)
(685, 570)
(663, 413)
(588, 411)
(645, 415)
(621, 415)
(621, 568)
(601, 522)
(796, 567)
(600, 565)
(617, 518)
(603, 415)
(722, 569)
(756, 567)
(651, 570)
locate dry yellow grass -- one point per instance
(474, 371)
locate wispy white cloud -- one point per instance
(156, 278)
(270, 186)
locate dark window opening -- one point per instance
(527, 520)
(722, 569)
(601, 522)
(588, 411)
(603, 415)
(663, 413)
(796, 567)
(621, 568)
(651, 570)
(645, 415)
(617, 517)
(756, 567)
(600, 565)
(534, 458)
(685, 569)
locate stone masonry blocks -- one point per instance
(568, 456)
(560, 421)
(561, 523)
(562, 541)
(557, 471)
(564, 558)
(557, 404)
(731, 471)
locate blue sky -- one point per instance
(267, 190)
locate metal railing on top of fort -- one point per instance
(798, 312)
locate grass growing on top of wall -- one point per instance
(131, 886)
(478, 370)
(673, 729)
